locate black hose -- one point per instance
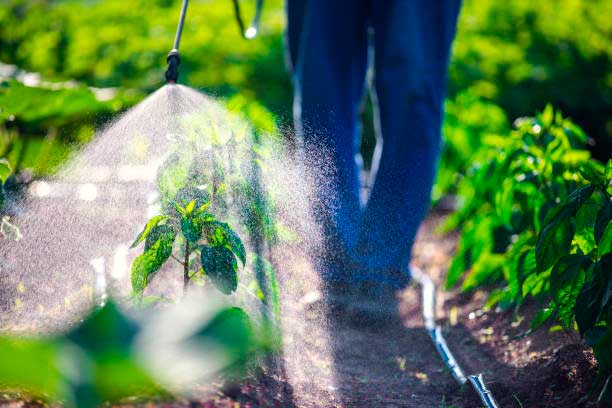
(173, 59)
(179, 29)
(250, 32)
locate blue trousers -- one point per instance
(330, 43)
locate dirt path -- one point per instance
(329, 361)
(333, 363)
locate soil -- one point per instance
(394, 363)
(328, 361)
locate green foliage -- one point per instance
(537, 218)
(219, 263)
(39, 124)
(97, 362)
(213, 242)
(469, 121)
(519, 57)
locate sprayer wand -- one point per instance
(173, 59)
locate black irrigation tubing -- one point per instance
(253, 29)
(435, 332)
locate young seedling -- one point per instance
(208, 247)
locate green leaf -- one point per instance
(178, 208)
(534, 284)
(151, 300)
(106, 330)
(219, 264)
(188, 194)
(203, 208)
(541, 317)
(233, 241)
(566, 280)
(603, 351)
(31, 365)
(589, 300)
(232, 329)
(592, 173)
(554, 241)
(191, 226)
(156, 253)
(190, 207)
(605, 243)
(603, 219)
(5, 170)
(265, 279)
(147, 229)
(594, 335)
(526, 264)
(585, 223)
(158, 232)
(580, 196)
(191, 229)
(118, 377)
(485, 268)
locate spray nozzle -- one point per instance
(173, 59)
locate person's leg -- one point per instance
(329, 79)
(412, 42)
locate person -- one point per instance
(330, 46)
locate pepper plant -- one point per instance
(207, 247)
(536, 223)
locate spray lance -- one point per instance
(173, 59)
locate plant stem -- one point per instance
(176, 259)
(186, 268)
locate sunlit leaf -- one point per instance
(5, 170)
(153, 258)
(541, 317)
(554, 242)
(585, 223)
(604, 216)
(147, 229)
(605, 243)
(233, 241)
(566, 280)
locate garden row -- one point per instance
(535, 222)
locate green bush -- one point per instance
(114, 43)
(524, 54)
(537, 217)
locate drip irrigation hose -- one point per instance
(435, 332)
